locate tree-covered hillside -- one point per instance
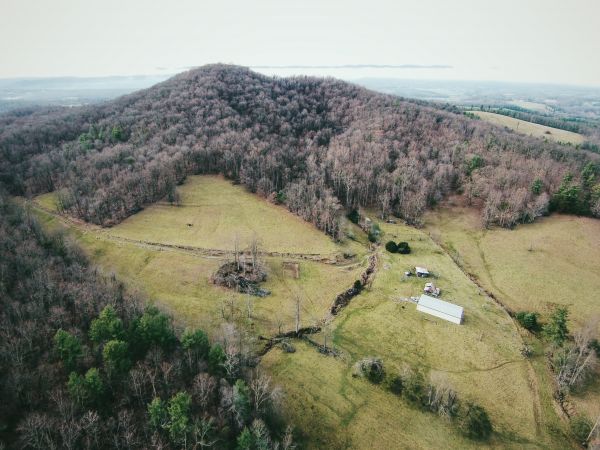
(84, 365)
(316, 145)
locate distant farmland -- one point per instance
(532, 129)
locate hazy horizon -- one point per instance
(542, 42)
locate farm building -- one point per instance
(421, 272)
(439, 308)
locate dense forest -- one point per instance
(320, 146)
(84, 365)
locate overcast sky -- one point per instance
(549, 41)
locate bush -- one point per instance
(391, 247)
(580, 427)
(353, 216)
(413, 388)
(371, 368)
(358, 285)
(528, 320)
(556, 329)
(475, 422)
(403, 248)
(395, 384)
(374, 233)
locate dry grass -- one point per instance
(218, 211)
(532, 106)
(554, 261)
(532, 129)
(480, 359)
(180, 282)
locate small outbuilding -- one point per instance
(421, 272)
(439, 308)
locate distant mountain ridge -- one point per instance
(317, 145)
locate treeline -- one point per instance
(84, 365)
(317, 145)
(436, 397)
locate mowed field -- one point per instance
(213, 212)
(532, 129)
(481, 359)
(535, 267)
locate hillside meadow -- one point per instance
(481, 360)
(179, 279)
(530, 128)
(535, 267)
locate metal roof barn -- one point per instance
(439, 308)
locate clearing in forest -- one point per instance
(530, 128)
(481, 359)
(213, 211)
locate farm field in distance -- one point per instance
(553, 261)
(481, 359)
(530, 128)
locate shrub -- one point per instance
(556, 329)
(580, 427)
(528, 320)
(353, 216)
(391, 247)
(475, 422)
(374, 233)
(476, 162)
(395, 384)
(536, 186)
(403, 248)
(413, 388)
(280, 198)
(358, 285)
(371, 368)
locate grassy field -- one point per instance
(218, 211)
(180, 282)
(532, 129)
(554, 261)
(481, 359)
(532, 106)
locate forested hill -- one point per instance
(317, 145)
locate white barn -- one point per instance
(439, 308)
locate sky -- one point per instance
(540, 41)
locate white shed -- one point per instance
(421, 272)
(439, 308)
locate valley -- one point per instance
(158, 254)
